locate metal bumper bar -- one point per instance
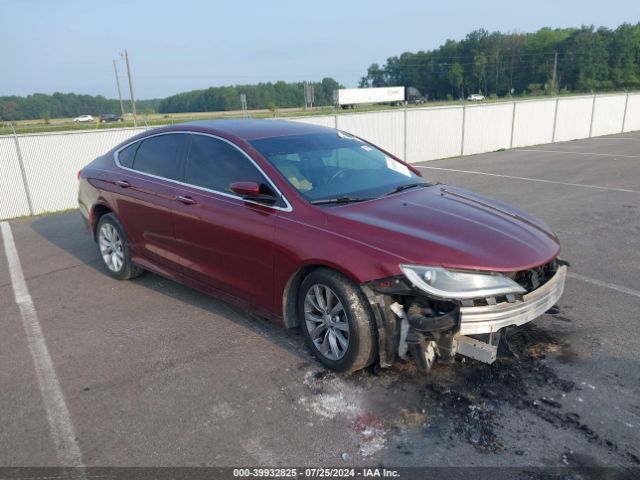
(491, 318)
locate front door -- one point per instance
(224, 241)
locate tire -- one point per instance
(348, 317)
(114, 249)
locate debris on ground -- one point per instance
(464, 401)
(372, 434)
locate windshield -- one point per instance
(335, 166)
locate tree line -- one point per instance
(62, 105)
(520, 63)
(263, 95)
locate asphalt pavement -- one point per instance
(155, 374)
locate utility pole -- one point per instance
(115, 69)
(555, 69)
(133, 101)
(306, 95)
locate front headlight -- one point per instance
(448, 284)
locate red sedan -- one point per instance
(312, 227)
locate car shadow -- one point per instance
(67, 232)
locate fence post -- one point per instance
(405, 134)
(593, 109)
(624, 115)
(23, 172)
(513, 123)
(555, 121)
(464, 113)
(335, 120)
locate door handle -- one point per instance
(123, 183)
(186, 200)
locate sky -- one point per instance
(179, 45)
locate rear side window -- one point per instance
(125, 156)
(160, 155)
(214, 164)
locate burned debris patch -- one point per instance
(524, 381)
(471, 400)
(467, 401)
(531, 342)
(472, 420)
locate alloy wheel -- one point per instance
(111, 247)
(326, 322)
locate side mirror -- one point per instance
(254, 191)
(246, 189)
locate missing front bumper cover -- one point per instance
(471, 331)
(491, 318)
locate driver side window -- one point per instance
(215, 164)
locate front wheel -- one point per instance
(336, 321)
(115, 249)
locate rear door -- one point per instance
(224, 241)
(146, 194)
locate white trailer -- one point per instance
(350, 97)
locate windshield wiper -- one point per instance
(338, 200)
(408, 186)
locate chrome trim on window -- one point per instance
(491, 318)
(287, 208)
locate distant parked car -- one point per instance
(475, 97)
(312, 227)
(110, 117)
(83, 119)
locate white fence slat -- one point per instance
(13, 199)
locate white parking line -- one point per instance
(61, 428)
(596, 187)
(600, 283)
(576, 153)
(637, 139)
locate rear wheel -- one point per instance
(336, 321)
(115, 249)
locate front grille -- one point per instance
(533, 278)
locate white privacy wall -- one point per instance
(433, 133)
(487, 128)
(608, 115)
(385, 129)
(51, 161)
(13, 199)
(533, 123)
(322, 120)
(573, 119)
(632, 116)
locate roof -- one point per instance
(252, 129)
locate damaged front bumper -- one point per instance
(477, 331)
(491, 318)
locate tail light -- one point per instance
(78, 175)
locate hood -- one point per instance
(449, 227)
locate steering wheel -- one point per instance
(341, 172)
